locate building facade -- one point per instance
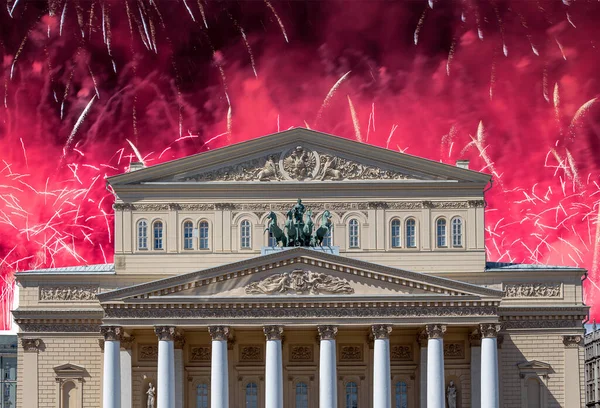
(396, 307)
(592, 367)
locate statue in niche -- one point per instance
(150, 403)
(451, 395)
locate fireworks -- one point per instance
(90, 88)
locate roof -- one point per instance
(107, 268)
(507, 266)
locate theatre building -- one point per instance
(373, 290)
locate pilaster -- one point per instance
(31, 348)
(572, 370)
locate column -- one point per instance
(274, 368)
(435, 366)
(422, 340)
(126, 380)
(111, 379)
(31, 348)
(219, 379)
(179, 342)
(165, 381)
(572, 371)
(327, 367)
(490, 395)
(382, 386)
(475, 342)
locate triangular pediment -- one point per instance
(301, 273)
(70, 370)
(299, 155)
(534, 365)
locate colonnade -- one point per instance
(382, 391)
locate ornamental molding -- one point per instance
(401, 352)
(35, 327)
(381, 331)
(351, 352)
(151, 207)
(273, 332)
(127, 342)
(573, 341)
(489, 330)
(147, 352)
(298, 163)
(542, 324)
(31, 345)
(302, 353)
(327, 332)
(435, 331)
(218, 333)
(79, 293)
(111, 333)
(200, 353)
(251, 353)
(299, 282)
(533, 290)
(165, 333)
(454, 350)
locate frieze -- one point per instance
(532, 290)
(541, 324)
(351, 352)
(197, 207)
(123, 206)
(454, 350)
(151, 207)
(68, 293)
(251, 353)
(147, 352)
(59, 327)
(299, 282)
(476, 203)
(301, 353)
(200, 353)
(284, 312)
(401, 352)
(449, 205)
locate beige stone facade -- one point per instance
(191, 252)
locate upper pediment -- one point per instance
(300, 273)
(299, 155)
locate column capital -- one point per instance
(112, 333)
(489, 330)
(179, 340)
(435, 331)
(327, 332)
(273, 332)
(475, 338)
(218, 333)
(422, 338)
(572, 340)
(127, 342)
(165, 333)
(31, 345)
(381, 331)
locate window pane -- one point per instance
(353, 233)
(251, 395)
(203, 232)
(457, 232)
(401, 395)
(396, 233)
(142, 234)
(245, 234)
(301, 395)
(158, 235)
(188, 231)
(351, 395)
(441, 232)
(272, 240)
(327, 239)
(411, 237)
(202, 396)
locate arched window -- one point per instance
(441, 232)
(158, 235)
(396, 233)
(533, 393)
(188, 234)
(353, 238)
(351, 395)
(411, 233)
(202, 396)
(401, 395)
(203, 232)
(251, 395)
(142, 234)
(69, 395)
(301, 395)
(327, 240)
(457, 232)
(245, 234)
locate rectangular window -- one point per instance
(8, 379)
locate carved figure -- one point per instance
(274, 229)
(299, 282)
(151, 396)
(451, 395)
(323, 229)
(300, 164)
(269, 170)
(330, 171)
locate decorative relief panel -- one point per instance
(532, 290)
(401, 352)
(301, 353)
(454, 350)
(302, 164)
(68, 293)
(147, 352)
(251, 353)
(200, 353)
(351, 352)
(299, 282)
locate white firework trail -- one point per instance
(78, 124)
(278, 20)
(135, 151)
(419, 26)
(249, 51)
(330, 94)
(389, 139)
(355, 121)
(580, 112)
(62, 19)
(202, 12)
(189, 11)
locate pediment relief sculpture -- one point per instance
(300, 164)
(299, 282)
